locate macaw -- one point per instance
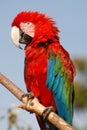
(49, 71)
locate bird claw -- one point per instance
(29, 95)
(47, 111)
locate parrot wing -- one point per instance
(62, 88)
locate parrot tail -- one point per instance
(45, 125)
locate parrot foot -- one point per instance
(47, 111)
(29, 95)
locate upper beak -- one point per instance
(15, 35)
(20, 37)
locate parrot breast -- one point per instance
(36, 75)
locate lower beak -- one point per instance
(25, 39)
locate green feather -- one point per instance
(58, 65)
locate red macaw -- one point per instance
(49, 72)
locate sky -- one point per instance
(71, 19)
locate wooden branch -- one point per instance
(34, 105)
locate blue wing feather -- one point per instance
(51, 77)
(58, 83)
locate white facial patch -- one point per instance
(15, 35)
(28, 28)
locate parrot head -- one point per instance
(32, 26)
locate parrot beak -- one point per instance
(20, 37)
(15, 36)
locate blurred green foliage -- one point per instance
(80, 96)
(80, 85)
(81, 64)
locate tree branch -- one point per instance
(34, 105)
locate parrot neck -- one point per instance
(42, 41)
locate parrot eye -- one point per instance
(28, 23)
